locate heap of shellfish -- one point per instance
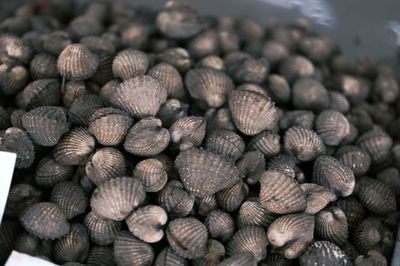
(171, 138)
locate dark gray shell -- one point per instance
(168, 257)
(324, 253)
(386, 88)
(32, 245)
(338, 102)
(175, 199)
(266, 142)
(317, 197)
(16, 118)
(70, 197)
(377, 143)
(298, 118)
(242, 259)
(135, 35)
(188, 131)
(56, 41)
(17, 141)
(226, 143)
(170, 77)
(369, 235)
(44, 66)
(83, 108)
(220, 225)
(295, 67)
(278, 88)
(171, 111)
(41, 92)
(152, 174)
(357, 159)
(219, 119)
(20, 197)
(101, 231)
(128, 250)
(212, 61)
(309, 94)
(204, 44)
(391, 177)
(45, 220)
(204, 173)
(284, 163)
(251, 166)
(177, 57)
(206, 204)
(49, 172)
(231, 198)
(332, 127)
(354, 210)
(372, 258)
(331, 225)
(8, 232)
(305, 144)
(130, 63)
(251, 212)
(45, 125)
(12, 79)
(72, 90)
(214, 253)
(101, 256)
(274, 51)
(249, 70)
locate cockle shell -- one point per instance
(324, 253)
(357, 159)
(251, 212)
(226, 143)
(309, 94)
(353, 209)
(175, 199)
(130, 63)
(317, 197)
(152, 174)
(83, 107)
(72, 90)
(211, 61)
(204, 44)
(188, 131)
(284, 163)
(32, 245)
(12, 79)
(214, 253)
(102, 231)
(168, 257)
(220, 225)
(338, 102)
(17, 141)
(13, 51)
(70, 197)
(206, 204)
(266, 142)
(177, 57)
(242, 259)
(331, 225)
(101, 256)
(231, 198)
(56, 41)
(170, 77)
(20, 197)
(332, 127)
(41, 92)
(305, 144)
(298, 118)
(377, 143)
(44, 66)
(49, 172)
(219, 119)
(295, 67)
(368, 235)
(251, 166)
(128, 250)
(171, 111)
(372, 258)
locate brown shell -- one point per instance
(203, 44)
(83, 108)
(368, 235)
(45, 220)
(332, 127)
(249, 239)
(41, 92)
(297, 118)
(49, 172)
(372, 258)
(242, 259)
(231, 198)
(101, 256)
(152, 174)
(109, 125)
(251, 212)
(56, 41)
(324, 253)
(177, 57)
(281, 194)
(357, 159)
(293, 233)
(171, 111)
(211, 61)
(317, 197)
(377, 143)
(219, 119)
(130, 63)
(214, 253)
(13, 51)
(188, 237)
(77, 62)
(188, 131)
(147, 138)
(71, 91)
(106, 163)
(115, 199)
(251, 166)
(104, 70)
(168, 257)
(140, 96)
(128, 250)
(226, 143)
(252, 112)
(44, 66)
(20, 197)
(170, 77)
(72, 247)
(354, 210)
(220, 225)
(175, 199)
(75, 147)
(204, 173)
(12, 79)
(16, 118)
(295, 67)
(331, 225)
(45, 125)
(70, 197)
(146, 223)
(17, 141)
(206, 204)
(101, 231)
(276, 259)
(266, 142)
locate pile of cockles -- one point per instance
(171, 138)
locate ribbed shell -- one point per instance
(354, 210)
(109, 125)
(117, 198)
(376, 196)
(219, 119)
(251, 212)
(170, 77)
(171, 111)
(309, 94)
(13, 50)
(75, 147)
(12, 79)
(332, 127)
(242, 259)
(71, 91)
(56, 41)
(20, 197)
(188, 237)
(106, 163)
(226, 143)
(251, 166)
(77, 62)
(147, 138)
(368, 235)
(332, 174)
(17, 141)
(72, 247)
(266, 142)
(206, 204)
(357, 159)
(318, 197)
(16, 118)
(305, 144)
(8, 232)
(44, 66)
(104, 70)
(220, 225)
(101, 231)
(49, 172)
(147, 223)
(41, 92)
(204, 44)
(372, 258)
(249, 239)
(283, 163)
(168, 257)
(324, 253)
(140, 96)
(252, 112)
(204, 173)
(4, 118)
(175, 199)
(214, 253)
(391, 177)
(130, 63)
(331, 225)
(45, 220)
(278, 88)
(293, 233)
(377, 143)
(152, 174)
(130, 251)
(188, 131)
(276, 259)
(295, 67)
(281, 194)
(45, 125)
(83, 108)
(177, 57)
(100, 256)
(231, 198)
(70, 197)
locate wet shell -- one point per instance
(281, 194)
(331, 225)
(45, 220)
(109, 125)
(188, 131)
(249, 239)
(376, 196)
(242, 259)
(372, 258)
(20, 197)
(332, 127)
(354, 210)
(168, 257)
(170, 77)
(171, 111)
(324, 253)
(147, 138)
(305, 144)
(49, 172)
(152, 174)
(177, 57)
(70, 197)
(12, 79)
(45, 125)
(72, 247)
(44, 66)
(251, 166)
(13, 51)
(231, 198)
(77, 62)
(226, 143)
(292, 233)
(101, 231)
(175, 199)
(204, 173)
(332, 174)
(71, 91)
(220, 225)
(117, 198)
(317, 197)
(130, 63)
(106, 163)
(209, 85)
(17, 141)
(295, 67)
(206, 204)
(377, 143)
(75, 147)
(140, 96)
(129, 251)
(357, 159)
(251, 212)
(299, 118)
(214, 253)
(266, 142)
(100, 256)
(147, 223)
(41, 92)
(83, 108)
(252, 112)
